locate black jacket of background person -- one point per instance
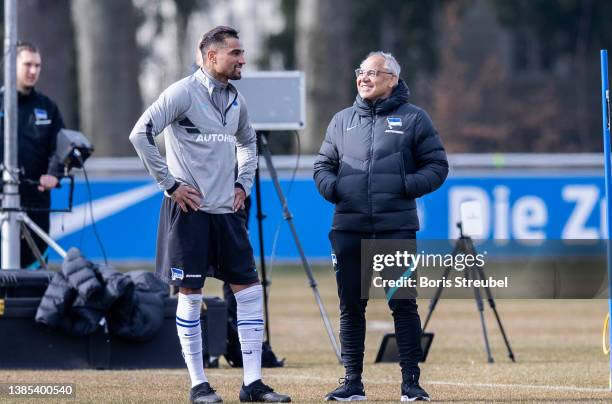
(376, 159)
(39, 121)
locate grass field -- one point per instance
(557, 344)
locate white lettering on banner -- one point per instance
(501, 229)
(459, 194)
(528, 216)
(586, 197)
(422, 212)
(525, 219)
(529, 212)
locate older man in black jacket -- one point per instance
(378, 156)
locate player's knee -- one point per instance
(250, 302)
(238, 288)
(190, 291)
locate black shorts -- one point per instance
(196, 244)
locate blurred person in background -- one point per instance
(377, 158)
(38, 123)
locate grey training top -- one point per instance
(220, 93)
(203, 144)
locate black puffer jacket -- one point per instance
(83, 293)
(138, 315)
(376, 159)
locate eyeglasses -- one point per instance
(370, 73)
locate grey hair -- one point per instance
(390, 61)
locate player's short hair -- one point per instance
(216, 36)
(24, 45)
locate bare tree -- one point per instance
(108, 61)
(48, 25)
(479, 107)
(322, 41)
(184, 10)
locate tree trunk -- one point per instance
(108, 60)
(324, 54)
(186, 52)
(47, 24)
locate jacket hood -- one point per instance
(399, 96)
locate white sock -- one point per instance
(190, 335)
(250, 331)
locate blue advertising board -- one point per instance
(515, 206)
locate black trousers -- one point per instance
(346, 246)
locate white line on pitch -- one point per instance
(425, 382)
(520, 386)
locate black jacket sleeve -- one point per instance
(327, 163)
(55, 166)
(431, 161)
(80, 274)
(56, 302)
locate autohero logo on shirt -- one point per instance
(216, 137)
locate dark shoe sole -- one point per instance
(220, 400)
(245, 399)
(354, 397)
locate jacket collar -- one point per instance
(210, 83)
(22, 97)
(398, 96)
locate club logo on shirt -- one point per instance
(41, 117)
(394, 122)
(176, 273)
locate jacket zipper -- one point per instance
(370, 169)
(223, 118)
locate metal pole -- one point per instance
(605, 111)
(10, 225)
(41, 233)
(480, 307)
(265, 152)
(262, 256)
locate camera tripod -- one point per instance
(14, 217)
(465, 245)
(262, 145)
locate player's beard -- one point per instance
(236, 73)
